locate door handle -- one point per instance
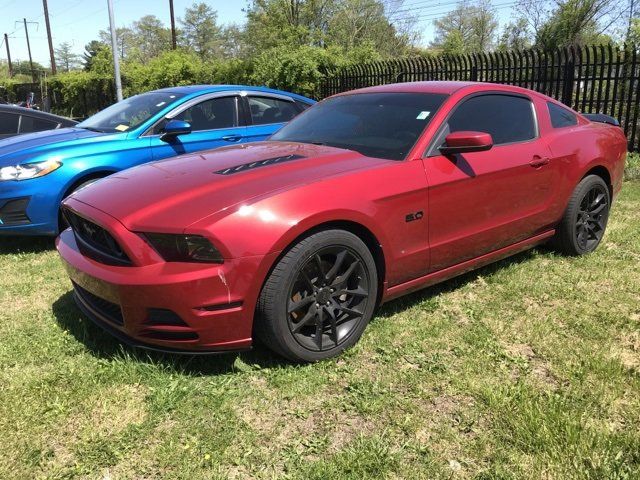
(231, 138)
(538, 162)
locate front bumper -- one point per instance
(203, 308)
(40, 214)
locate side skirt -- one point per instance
(464, 267)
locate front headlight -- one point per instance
(26, 171)
(184, 248)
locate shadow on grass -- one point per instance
(407, 301)
(101, 344)
(18, 244)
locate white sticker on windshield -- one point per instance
(423, 115)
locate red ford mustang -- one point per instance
(364, 197)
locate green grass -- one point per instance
(529, 368)
(632, 167)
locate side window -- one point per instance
(8, 124)
(209, 115)
(265, 110)
(507, 118)
(32, 124)
(561, 117)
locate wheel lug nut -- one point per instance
(328, 303)
(317, 304)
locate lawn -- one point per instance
(529, 368)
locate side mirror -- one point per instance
(173, 128)
(465, 142)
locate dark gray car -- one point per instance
(15, 120)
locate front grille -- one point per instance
(104, 308)
(95, 242)
(14, 212)
(162, 324)
(257, 164)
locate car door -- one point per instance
(267, 114)
(483, 201)
(214, 120)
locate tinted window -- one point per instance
(8, 124)
(507, 118)
(383, 125)
(211, 114)
(271, 110)
(561, 117)
(31, 124)
(302, 106)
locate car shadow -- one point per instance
(102, 345)
(16, 244)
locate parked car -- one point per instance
(365, 197)
(16, 120)
(38, 170)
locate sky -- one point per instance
(79, 21)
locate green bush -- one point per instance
(79, 94)
(302, 70)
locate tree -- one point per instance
(66, 60)
(560, 23)
(91, 51)
(358, 22)
(149, 39)
(201, 32)
(515, 35)
(634, 32)
(324, 23)
(125, 37)
(466, 29)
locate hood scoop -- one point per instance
(257, 164)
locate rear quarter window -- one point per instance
(560, 116)
(8, 123)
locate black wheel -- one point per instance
(319, 297)
(585, 219)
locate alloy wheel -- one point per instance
(592, 217)
(328, 298)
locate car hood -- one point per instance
(20, 148)
(169, 195)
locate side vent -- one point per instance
(257, 164)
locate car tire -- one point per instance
(319, 297)
(585, 219)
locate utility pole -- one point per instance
(6, 42)
(114, 50)
(173, 25)
(46, 21)
(26, 32)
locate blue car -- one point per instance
(38, 170)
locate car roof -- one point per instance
(441, 87)
(35, 113)
(195, 89)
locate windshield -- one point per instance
(130, 113)
(382, 125)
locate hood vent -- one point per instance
(259, 163)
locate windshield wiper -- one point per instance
(92, 129)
